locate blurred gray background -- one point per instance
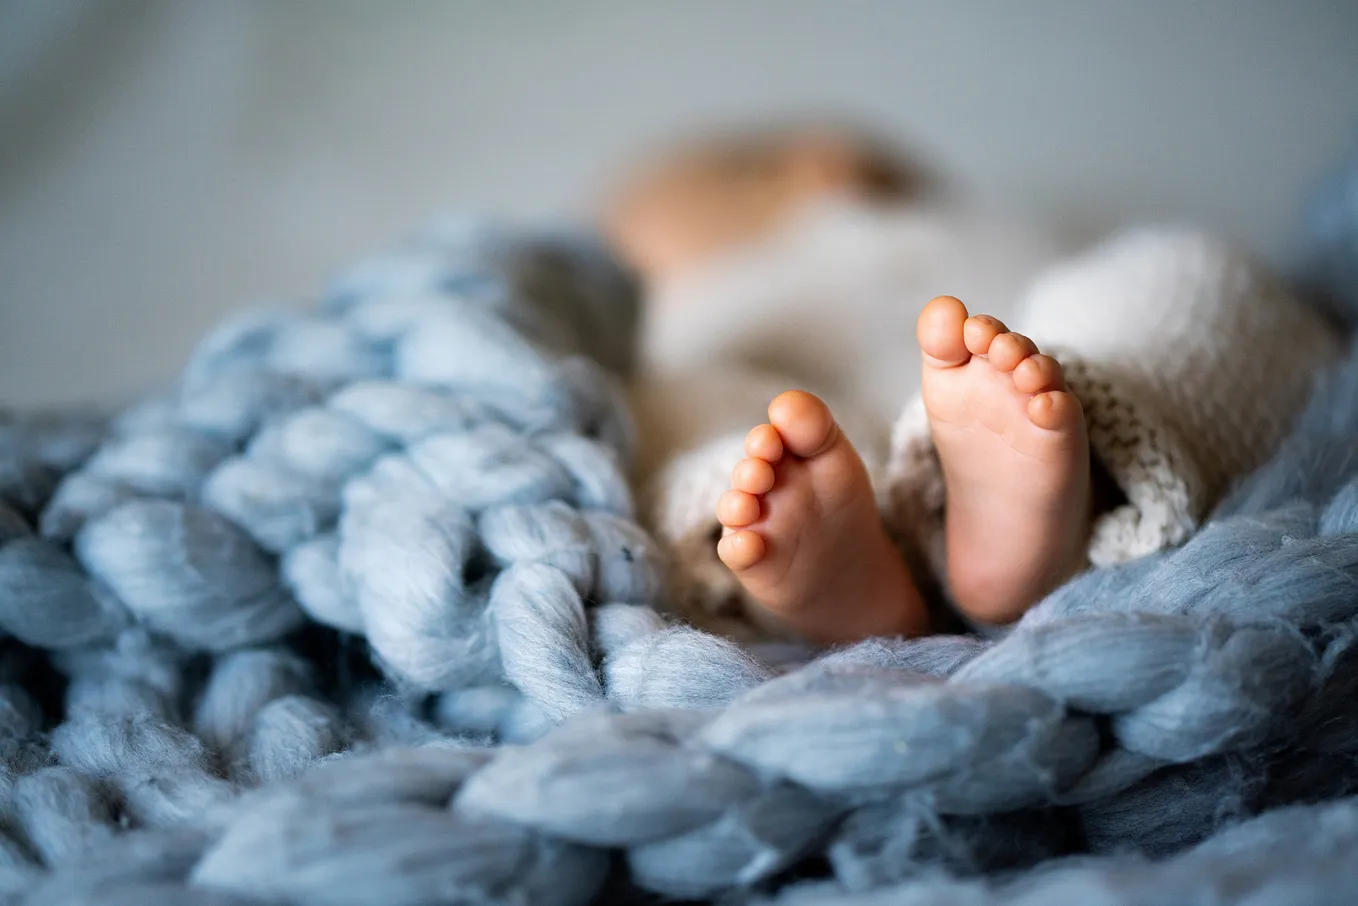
(164, 162)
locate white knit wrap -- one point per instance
(1189, 361)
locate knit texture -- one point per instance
(192, 710)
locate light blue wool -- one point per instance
(357, 612)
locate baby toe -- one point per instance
(803, 422)
(737, 508)
(980, 332)
(1055, 410)
(764, 443)
(753, 476)
(1008, 349)
(740, 550)
(1038, 374)
(939, 332)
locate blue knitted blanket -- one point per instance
(357, 613)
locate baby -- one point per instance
(1007, 473)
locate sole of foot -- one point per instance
(1015, 455)
(803, 535)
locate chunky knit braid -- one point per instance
(269, 636)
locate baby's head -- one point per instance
(711, 195)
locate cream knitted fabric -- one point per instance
(1189, 362)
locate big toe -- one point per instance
(803, 421)
(940, 331)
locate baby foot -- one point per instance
(803, 533)
(1015, 456)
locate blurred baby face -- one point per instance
(709, 198)
(695, 205)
